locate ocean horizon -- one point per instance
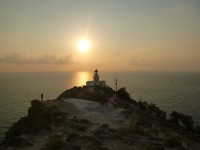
(178, 91)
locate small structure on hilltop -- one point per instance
(96, 81)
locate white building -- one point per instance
(96, 80)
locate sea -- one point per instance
(179, 91)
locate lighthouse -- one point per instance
(96, 76)
(96, 81)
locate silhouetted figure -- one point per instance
(42, 97)
(62, 99)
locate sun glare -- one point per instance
(83, 45)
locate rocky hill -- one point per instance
(96, 118)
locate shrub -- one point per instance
(123, 94)
(152, 109)
(185, 120)
(174, 117)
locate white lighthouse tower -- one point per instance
(96, 76)
(96, 81)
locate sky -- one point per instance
(124, 35)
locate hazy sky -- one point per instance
(142, 35)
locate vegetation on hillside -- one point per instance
(102, 94)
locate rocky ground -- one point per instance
(79, 124)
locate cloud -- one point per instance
(45, 59)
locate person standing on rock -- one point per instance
(42, 96)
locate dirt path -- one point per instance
(95, 112)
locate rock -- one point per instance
(39, 117)
(104, 131)
(20, 141)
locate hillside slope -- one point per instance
(107, 123)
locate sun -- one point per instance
(83, 45)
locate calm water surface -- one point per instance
(169, 91)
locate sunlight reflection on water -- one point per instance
(80, 78)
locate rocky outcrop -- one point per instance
(40, 116)
(58, 125)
